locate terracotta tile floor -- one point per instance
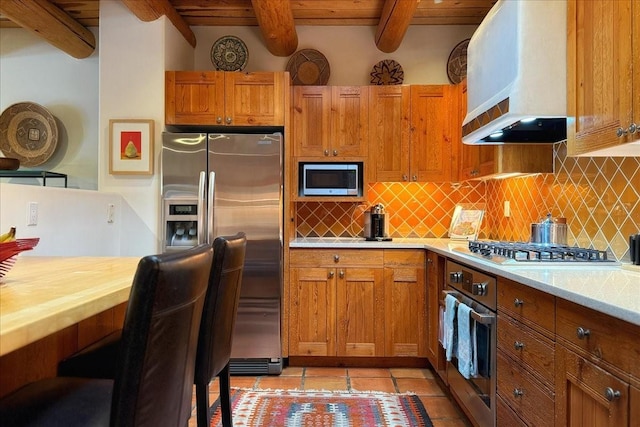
(442, 411)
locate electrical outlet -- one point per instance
(32, 213)
(507, 209)
(110, 212)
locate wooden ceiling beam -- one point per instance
(52, 24)
(150, 10)
(395, 18)
(275, 19)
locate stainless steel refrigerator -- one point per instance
(220, 184)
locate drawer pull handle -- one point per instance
(326, 152)
(582, 332)
(331, 274)
(336, 258)
(517, 392)
(341, 274)
(518, 302)
(611, 394)
(518, 345)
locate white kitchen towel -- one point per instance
(449, 325)
(466, 341)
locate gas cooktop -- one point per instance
(525, 253)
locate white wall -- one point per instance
(31, 70)
(350, 51)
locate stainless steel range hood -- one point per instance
(516, 74)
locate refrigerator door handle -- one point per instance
(210, 201)
(201, 211)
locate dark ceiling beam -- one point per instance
(52, 24)
(150, 10)
(275, 18)
(395, 18)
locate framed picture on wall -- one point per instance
(131, 147)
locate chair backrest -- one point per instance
(221, 307)
(154, 375)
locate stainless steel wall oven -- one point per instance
(476, 394)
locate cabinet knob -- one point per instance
(517, 392)
(341, 274)
(611, 394)
(518, 345)
(331, 274)
(582, 333)
(326, 152)
(218, 119)
(632, 128)
(405, 177)
(336, 258)
(335, 152)
(620, 132)
(518, 302)
(228, 120)
(414, 177)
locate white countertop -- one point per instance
(609, 289)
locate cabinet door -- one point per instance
(389, 131)
(599, 73)
(254, 99)
(312, 321)
(587, 395)
(349, 121)
(311, 120)
(435, 285)
(194, 97)
(360, 312)
(432, 152)
(405, 312)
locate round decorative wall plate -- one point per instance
(28, 132)
(229, 53)
(308, 67)
(387, 72)
(457, 63)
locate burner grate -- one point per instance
(533, 252)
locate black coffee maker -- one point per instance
(379, 231)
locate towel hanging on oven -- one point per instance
(467, 344)
(449, 344)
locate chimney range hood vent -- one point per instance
(516, 74)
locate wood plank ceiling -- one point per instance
(64, 23)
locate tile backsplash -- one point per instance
(599, 196)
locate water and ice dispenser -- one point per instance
(180, 223)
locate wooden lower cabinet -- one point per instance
(357, 303)
(435, 286)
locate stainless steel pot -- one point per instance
(549, 231)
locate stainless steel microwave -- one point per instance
(330, 179)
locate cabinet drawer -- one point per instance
(336, 258)
(530, 306)
(505, 415)
(528, 398)
(404, 258)
(528, 347)
(599, 335)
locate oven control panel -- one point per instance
(473, 283)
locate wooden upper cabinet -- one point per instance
(389, 132)
(475, 160)
(603, 87)
(330, 122)
(225, 98)
(433, 152)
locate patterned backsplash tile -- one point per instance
(600, 197)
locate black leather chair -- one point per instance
(214, 339)
(153, 381)
(218, 321)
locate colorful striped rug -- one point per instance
(265, 408)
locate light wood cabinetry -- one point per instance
(363, 303)
(603, 75)
(597, 360)
(435, 286)
(526, 353)
(330, 123)
(225, 98)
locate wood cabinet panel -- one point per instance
(333, 257)
(194, 97)
(602, 43)
(587, 395)
(533, 351)
(389, 132)
(360, 312)
(505, 416)
(311, 111)
(533, 402)
(435, 286)
(350, 121)
(534, 308)
(255, 99)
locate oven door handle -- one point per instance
(485, 319)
